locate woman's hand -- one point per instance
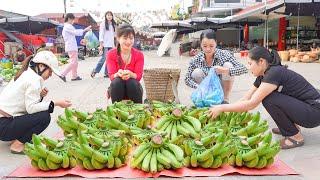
(119, 73)
(88, 28)
(127, 74)
(63, 103)
(215, 111)
(44, 92)
(221, 70)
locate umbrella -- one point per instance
(27, 24)
(166, 42)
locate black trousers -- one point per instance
(129, 89)
(287, 111)
(22, 127)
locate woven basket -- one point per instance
(158, 83)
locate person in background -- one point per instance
(125, 67)
(19, 56)
(222, 61)
(69, 34)
(23, 110)
(287, 96)
(106, 38)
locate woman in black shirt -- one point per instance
(287, 96)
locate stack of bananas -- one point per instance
(259, 157)
(156, 155)
(179, 123)
(199, 155)
(100, 153)
(52, 157)
(160, 109)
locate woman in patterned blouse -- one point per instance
(224, 63)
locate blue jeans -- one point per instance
(102, 60)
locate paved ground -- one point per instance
(89, 94)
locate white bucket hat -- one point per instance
(49, 59)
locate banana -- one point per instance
(110, 163)
(174, 132)
(187, 148)
(252, 163)
(87, 150)
(168, 129)
(42, 165)
(138, 159)
(51, 165)
(186, 161)
(34, 164)
(182, 130)
(96, 164)
(146, 162)
(32, 154)
(208, 163)
(73, 162)
(195, 123)
(189, 128)
(252, 154)
(194, 160)
(262, 163)
(54, 157)
(270, 161)
(174, 162)
(160, 167)
(163, 159)
(153, 162)
(117, 162)
(87, 164)
(177, 151)
(41, 151)
(140, 149)
(217, 162)
(231, 160)
(239, 159)
(162, 121)
(116, 149)
(65, 161)
(205, 155)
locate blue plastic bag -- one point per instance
(209, 91)
(91, 39)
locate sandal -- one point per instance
(17, 152)
(93, 74)
(295, 143)
(276, 131)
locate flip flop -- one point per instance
(17, 152)
(295, 143)
(276, 131)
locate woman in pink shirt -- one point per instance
(125, 67)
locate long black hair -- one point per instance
(272, 57)
(69, 16)
(123, 30)
(112, 21)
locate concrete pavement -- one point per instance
(89, 94)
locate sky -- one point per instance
(36, 7)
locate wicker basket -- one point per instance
(159, 83)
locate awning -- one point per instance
(255, 10)
(27, 25)
(172, 25)
(307, 7)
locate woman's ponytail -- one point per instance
(25, 65)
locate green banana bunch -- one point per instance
(156, 155)
(160, 109)
(52, 157)
(179, 123)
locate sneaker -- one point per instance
(106, 76)
(77, 79)
(225, 102)
(63, 78)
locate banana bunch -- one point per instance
(160, 109)
(140, 135)
(260, 157)
(69, 124)
(198, 155)
(178, 123)
(44, 159)
(200, 113)
(95, 153)
(156, 155)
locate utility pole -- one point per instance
(65, 6)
